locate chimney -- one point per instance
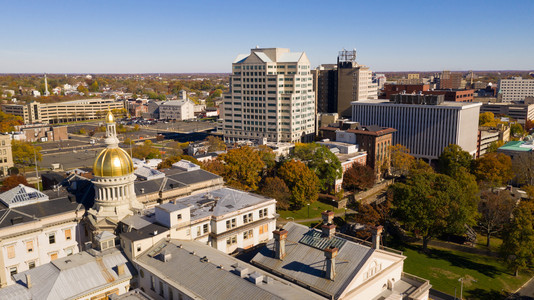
(377, 231)
(280, 243)
(328, 230)
(28, 281)
(120, 269)
(328, 217)
(330, 253)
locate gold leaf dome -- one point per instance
(113, 162)
(109, 117)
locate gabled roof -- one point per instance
(263, 56)
(290, 57)
(240, 58)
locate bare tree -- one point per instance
(495, 210)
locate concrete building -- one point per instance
(354, 82)
(6, 156)
(490, 135)
(520, 110)
(515, 89)
(36, 228)
(271, 97)
(425, 128)
(60, 112)
(177, 110)
(43, 133)
(449, 80)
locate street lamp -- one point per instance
(308, 210)
(461, 280)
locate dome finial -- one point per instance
(109, 117)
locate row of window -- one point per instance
(30, 247)
(32, 264)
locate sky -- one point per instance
(202, 36)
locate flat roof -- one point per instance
(516, 146)
(445, 104)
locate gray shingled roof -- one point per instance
(306, 264)
(205, 278)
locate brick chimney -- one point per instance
(28, 281)
(328, 217)
(280, 236)
(377, 232)
(330, 253)
(328, 230)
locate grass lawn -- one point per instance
(315, 211)
(444, 267)
(495, 243)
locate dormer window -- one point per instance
(179, 216)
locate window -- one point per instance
(231, 240)
(247, 218)
(68, 235)
(263, 213)
(198, 231)
(138, 248)
(53, 256)
(161, 288)
(170, 295)
(248, 234)
(52, 238)
(13, 271)
(11, 251)
(179, 216)
(68, 251)
(205, 228)
(230, 224)
(29, 246)
(31, 264)
(152, 283)
(264, 228)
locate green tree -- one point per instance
(401, 160)
(486, 118)
(322, 161)
(268, 157)
(495, 210)
(215, 144)
(276, 188)
(494, 168)
(24, 153)
(359, 177)
(302, 182)
(146, 151)
(242, 168)
(82, 89)
(518, 239)
(419, 166)
(494, 146)
(94, 87)
(452, 159)
(432, 204)
(517, 130)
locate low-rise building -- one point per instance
(490, 135)
(520, 110)
(43, 133)
(6, 156)
(177, 110)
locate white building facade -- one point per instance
(271, 97)
(177, 110)
(424, 129)
(516, 89)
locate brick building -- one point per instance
(392, 89)
(43, 133)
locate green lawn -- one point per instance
(315, 211)
(495, 243)
(444, 267)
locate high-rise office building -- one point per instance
(515, 89)
(354, 82)
(325, 88)
(271, 97)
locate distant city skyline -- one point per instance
(206, 36)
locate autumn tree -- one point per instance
(494, 168)
(302, 182)
(432, 204)
(529, 124)
(276, 188)
(8, 122)
(518, 239)
(174, 149)
(167, 162)
(322, 161)
(517, 130)
(495, 210)
(359, 177)
(25, 153)
(486, 118)
(494, 146)
(146, 151)
(215, 166)
(12, 181)
(242, 167)
(268, 157)
(452, 158)
(523, 167)
(94, 87)
(371, 215)
(401, 160)
(215, 144)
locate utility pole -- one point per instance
(36, 170)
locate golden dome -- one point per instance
(113, 162)
(109, 117)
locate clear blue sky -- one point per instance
(115, 36)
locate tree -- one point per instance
(529, 124)
(24, 153)
(167, 163)
(215, 144)
(419, 166)
(372, 215)
(401, 160)
(276, 188)
(242, 168)
(146, 151)
(523, 167)
(94, 86)
(268, 157)
(322, 161)
(215, 166)
(485, 118)
(12, 181)
(302, 182)
(82, 89)
(359, 177)
(8, 122)
(452, 158)
(518, 239)
(494, 168)
(517, 130)
(495, 210)
(432, 204)
(494, 146)
(175, 149)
